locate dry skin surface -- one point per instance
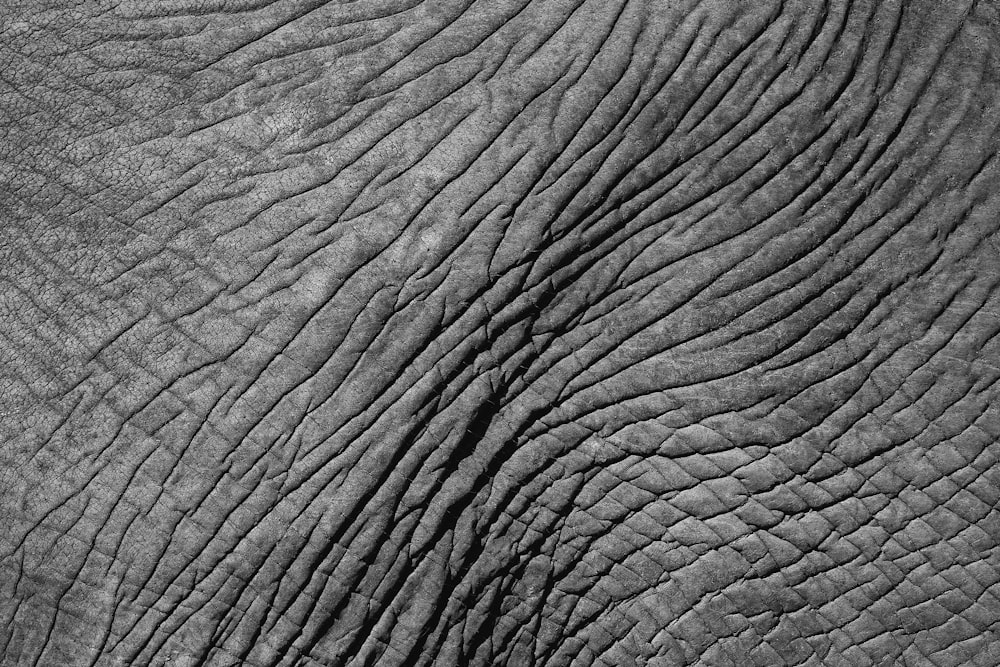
(499, 333)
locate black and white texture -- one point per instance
(509, 332)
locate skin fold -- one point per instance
(527, 332)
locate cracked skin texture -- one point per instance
(499, 333)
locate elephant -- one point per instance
(521, 332)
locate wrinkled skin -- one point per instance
(511, 332)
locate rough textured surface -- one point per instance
(510, 332)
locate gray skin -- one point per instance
(499, 333)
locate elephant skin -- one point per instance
(513, 332)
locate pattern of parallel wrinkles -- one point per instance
(501, 333)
